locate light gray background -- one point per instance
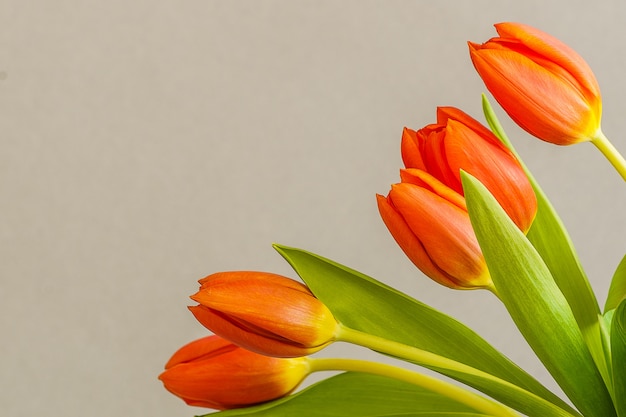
(147, 144)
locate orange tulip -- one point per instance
(212, 372)
(265, 313)
(429, 221)
(544, 85)
(459, 142)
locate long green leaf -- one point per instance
(541, 312)
(604, 321)
(364, 304)
(618, 354)
(356, 394)
(551, 240)
(617, 290)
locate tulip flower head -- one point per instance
(212, 372)
(459, 142)
(265, 313)
(543, 85)
(429, 221)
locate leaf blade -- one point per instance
(535, 302)
(362, 303)
(617, 290)
(551, 240)
(356, 394)
(618, 355)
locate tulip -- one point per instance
(544, 85)
(265, 313)
(429, 221)
(212, 372)
(459, 142)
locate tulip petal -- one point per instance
(246, 276)
(432, 142)
(542, 104)
(411, 246)
(444, 114)
(444, 231)
(200, 349)
(409, 146)
(280, 306)
(241, 334)
(544, 85)
(496, 167)
(553, 50)
(425, 180)
(232, 378)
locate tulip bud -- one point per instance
(212, 372)
(429, 221)
(459, 142)
(265, 313)
(543, 85)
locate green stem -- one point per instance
(458, 394)
(611, 153)
(439, 363)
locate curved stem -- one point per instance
(439, 363)
(611, 153)
(458, 394)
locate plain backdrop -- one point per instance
(146, 144)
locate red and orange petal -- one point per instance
(410, 244)
(425, 180)
(493, 165)
(541, 103)
(410, 149)
(446, 113)
(276, 304)
(251, 337)
(445, 232)
(432, 144)
(553, 50)
(247, 277)
(200, 349)
(236, 378)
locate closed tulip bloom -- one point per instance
(265, 313)
(543, 84)
(429, 221)
(459, 142)
(212, 372)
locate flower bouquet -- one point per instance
(469, 215)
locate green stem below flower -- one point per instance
(458, 394)
(514, 393)
(611, 153)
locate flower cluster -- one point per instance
(469, 215)
(264, 324)
(426, 212)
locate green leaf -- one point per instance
(534, 301)
(617, 291)
(551, 240)
(362, 303)
(356, 394)
(618, 355)
(604, 321)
